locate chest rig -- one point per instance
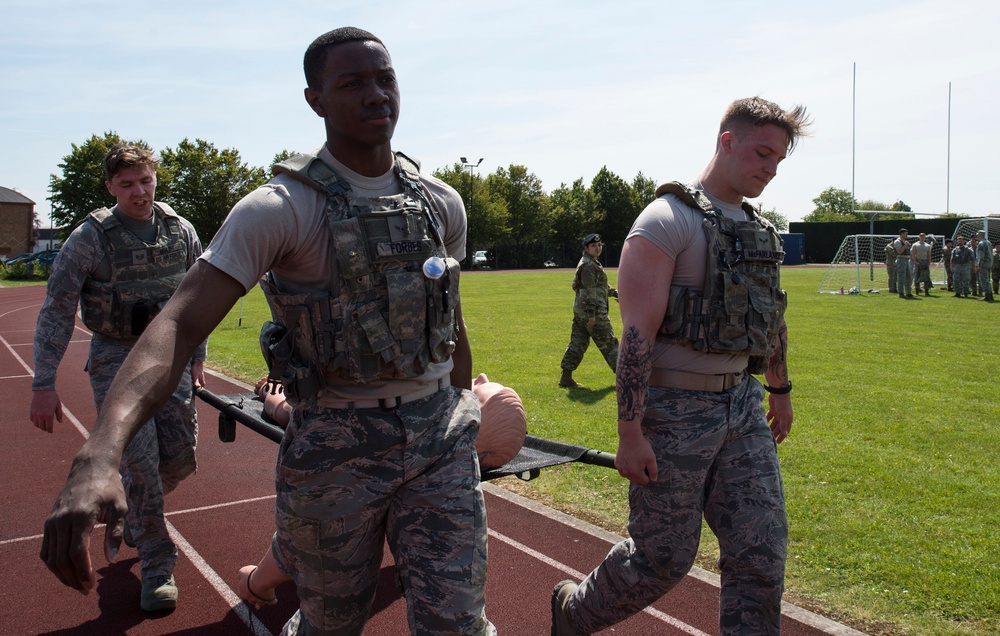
(381, 317)
(143, 275)
(740, 307)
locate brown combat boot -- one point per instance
(567, 381)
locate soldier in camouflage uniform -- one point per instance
(590, 312)
(694, 438)
(920, 253)
(121, 265)
(904, 278)
(984, 264)
(995, 270)
(973, 275)
(890, 265)
(949, 245)
(357, 252)
(962, 259)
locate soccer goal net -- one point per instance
(860, 264)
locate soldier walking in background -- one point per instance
(590, 312)
(121, 265)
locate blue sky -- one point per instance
(562, 87)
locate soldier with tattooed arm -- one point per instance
(702, 310)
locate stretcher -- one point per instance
(536, 454)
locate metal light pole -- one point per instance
(471, 167)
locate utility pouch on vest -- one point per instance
(442, 343)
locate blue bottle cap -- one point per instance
(434, 267)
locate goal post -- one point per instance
(860, 264)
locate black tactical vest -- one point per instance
(741, 305)
(382, 317)
(143, 276)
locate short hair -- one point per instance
(903, 229)
(755, 111)
(315, 56)
(127, 156)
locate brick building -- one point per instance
(17, 223)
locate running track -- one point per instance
(221, 519)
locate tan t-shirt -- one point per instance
(281, 227)
(676, 229)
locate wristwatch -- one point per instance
(779, 391)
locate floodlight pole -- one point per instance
(471, 167)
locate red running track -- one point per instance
(222, 519)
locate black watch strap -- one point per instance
(779, 391)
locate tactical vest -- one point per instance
(381, 317)
(143, 276)
(741, 305)
(906, 250)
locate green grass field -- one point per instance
(890, 473)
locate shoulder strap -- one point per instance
(104, 219)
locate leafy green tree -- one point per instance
(617, 203)
(779, 221)
(487, 220)
(574, 213)
(205, 183)
(526, 202)
(80, 189)
(833, 204)
(645, 189)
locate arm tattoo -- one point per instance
(635, 360)
(779, 359)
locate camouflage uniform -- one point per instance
(163, 451)
(365, 462)
(995, 270)
(718, 459)
(408, 477)
(904, 279)
(961, 261)
(890, 265)
(949, 272)
(973, 275)
(716, 455)
(922, 266)
(591, 286)
(984, 261)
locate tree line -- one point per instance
(507, 208)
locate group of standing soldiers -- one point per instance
(972, 269)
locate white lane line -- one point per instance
(66, 412)
(213, 578)
(576, 574)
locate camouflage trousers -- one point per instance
(160, 455)
(890, 270)
(983, 277)
(904, 279)
(922, 275)
(350, 481)
(716, 457)
(950, 274)
(579, 340)
(963, 276)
